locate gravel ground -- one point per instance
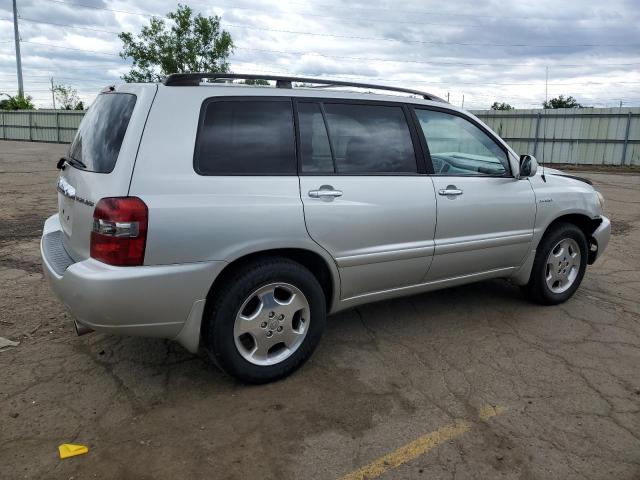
(565, 380)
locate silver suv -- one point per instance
(236, 217)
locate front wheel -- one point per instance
(266, 321)
(559, 266)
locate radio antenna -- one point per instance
(544, 113)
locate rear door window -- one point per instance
(99, 138)
(315, 150)
(246, 137)
(370, 139)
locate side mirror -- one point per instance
(528, 166)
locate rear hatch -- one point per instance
(100, 160)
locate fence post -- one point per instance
(535, 142)
(4, 131)
(626, 141)
(30, 135)
(57, 127)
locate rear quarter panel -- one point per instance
(195, 218)
(94, 186)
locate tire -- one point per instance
(563, 237)
(272, 278)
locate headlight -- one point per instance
(601, 200)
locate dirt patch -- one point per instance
(19, 264)
(24, 228)
(620, 227)
(597, 168)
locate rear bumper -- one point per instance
(151, 301)
(601, 238)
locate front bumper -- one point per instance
(601, 238)
(151, 301)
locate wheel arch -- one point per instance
(582, 220)
(324, 270)
(587, 224)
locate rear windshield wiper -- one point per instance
(71, 161)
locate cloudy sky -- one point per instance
(485, 50)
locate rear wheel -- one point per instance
(559, 266)
(266, 321)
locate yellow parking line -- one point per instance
(488, 411)
(420, 446)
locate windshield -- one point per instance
(101, 131)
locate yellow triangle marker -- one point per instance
(70, 450)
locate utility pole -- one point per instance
(16, 34)
(546, 85)
(53, 95)
(462, 101)
(447, 97)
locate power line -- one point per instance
(315, 15)
(493, 16)
(71, 80)
(355, 37)
(93, 7)
(430, 42)
(436, 12)
(345, 57)
(345, 19)
(468, 64)
(31, 20)
(69, 48)
(387, 79)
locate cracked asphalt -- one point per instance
(567, 377)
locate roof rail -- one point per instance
(194, 79)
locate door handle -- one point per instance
(325, 192)
(450, 191)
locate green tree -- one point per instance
(19, 102)
(67, 97)
(501, 106)
(562, 102)
(192, 43)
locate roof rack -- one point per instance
(194, 79)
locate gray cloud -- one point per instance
(487, 50)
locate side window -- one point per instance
(315, 151)
(458, 147)
(246, 138)
(370, 138)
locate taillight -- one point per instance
(119, 232)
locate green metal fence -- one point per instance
(584, 136)
(588, 136)
(57, 126)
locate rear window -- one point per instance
(97, 143)
(246, 138)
